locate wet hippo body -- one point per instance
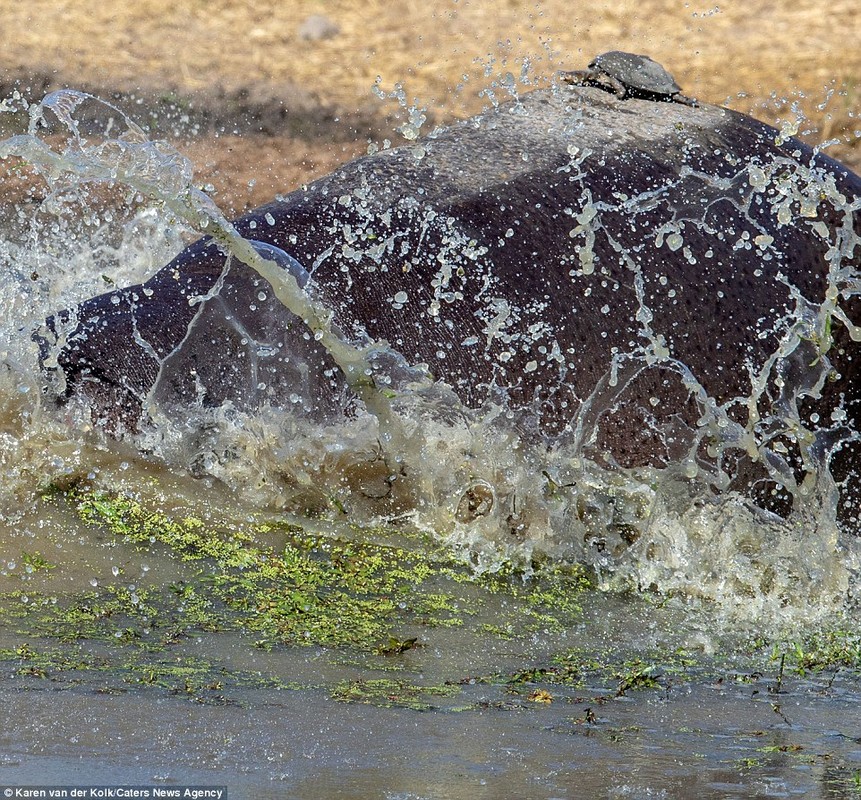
(606, 267)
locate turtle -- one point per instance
(630, 75)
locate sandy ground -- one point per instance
(272, 101)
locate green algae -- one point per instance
(577, 668)
(187, 537)
(822, 650)
(112, 613)
(381, 606)
(277, 586)
(767, 667)
(388, 693)
(197, 679)
(316, 590)
(35, 562)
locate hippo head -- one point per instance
(208, 334)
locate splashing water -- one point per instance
(411, 450)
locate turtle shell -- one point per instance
(640, 73)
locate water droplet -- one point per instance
(675, 241)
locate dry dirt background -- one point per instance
(270, 107)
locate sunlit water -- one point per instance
(674, 564)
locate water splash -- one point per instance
(471, 476)
(159, 172)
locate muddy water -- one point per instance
(687, 746)
(650, 708)
(253, 600)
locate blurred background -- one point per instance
(265, 95)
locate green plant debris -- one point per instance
(638, 675)
(397, 646)
(187, 537)
(323, 591)
(393, 693)
(832, 649)
(781, 748)
(35, 562)
(843, 782)
(197, 679)
(577, 668)
(308, 590)
(112, 613)
(382, 605)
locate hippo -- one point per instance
(634, 278)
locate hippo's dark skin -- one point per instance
(516, 253)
